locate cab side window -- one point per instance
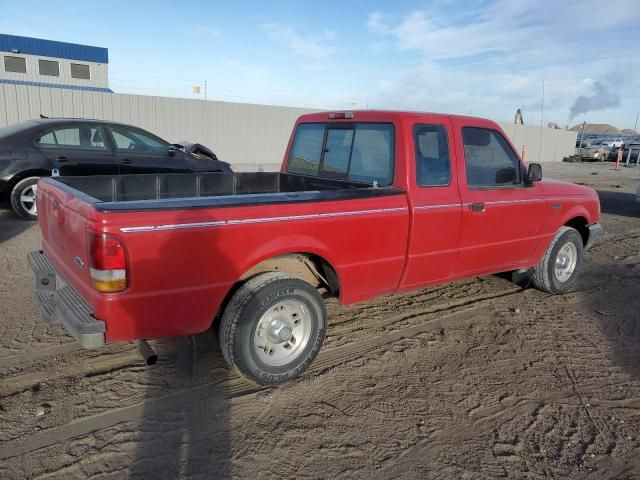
(489, 159)
(433, 167)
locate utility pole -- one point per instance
(541, 119)
(582, 133)
(636, 125)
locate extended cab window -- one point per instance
(361, 152)
(432, 155)
(489, 159)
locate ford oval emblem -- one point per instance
(79, 262)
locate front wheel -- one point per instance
(273, 328)
(558, 269)
(23, 198)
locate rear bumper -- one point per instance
(595, 232)
(60, 303)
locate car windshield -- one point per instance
(15, 128)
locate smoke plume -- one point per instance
(601, 98)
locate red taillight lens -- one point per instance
(108, 263)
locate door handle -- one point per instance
(476, 207)
(126, 161)
(65, 161)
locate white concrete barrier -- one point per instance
(250, 137)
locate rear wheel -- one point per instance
(273, 328)
(23, 198)
(558, 269)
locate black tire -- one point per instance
(17, 204)
(258, 299)
(545, 276)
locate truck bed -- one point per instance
(120, 193)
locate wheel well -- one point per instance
(580, 224)
(25, 174)
(313, 269)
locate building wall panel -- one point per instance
(250, 137)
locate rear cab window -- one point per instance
(359, 152)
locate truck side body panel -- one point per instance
(181, 272)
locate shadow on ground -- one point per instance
(615, 300)
(11, 224)
(619, 203)
(184, 429)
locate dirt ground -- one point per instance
(477, 379)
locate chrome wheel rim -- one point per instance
(282, 333)
(566, 262)
(28, 199)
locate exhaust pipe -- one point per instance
(148, 355)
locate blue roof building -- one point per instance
(49, 63)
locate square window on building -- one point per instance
(49, 67)
(78, 70)
(15, 64)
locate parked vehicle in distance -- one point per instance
(367, 203)
(634, 148)
(32, 149)
(616, 142)
(598, 152)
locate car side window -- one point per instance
(489, 159)
(433, 167)
(82, 137)
(130, 139)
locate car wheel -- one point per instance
(273, 328)
(558, 269)
(23, 198)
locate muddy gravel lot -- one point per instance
(477, 379)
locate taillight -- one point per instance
(108, 263)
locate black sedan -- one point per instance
(33, 149)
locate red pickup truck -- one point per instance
(367, 203)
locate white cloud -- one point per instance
(375, 22)
(493, 60)
(255, 72)
(312, 47)
(206, 30)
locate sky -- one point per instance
(485, 58)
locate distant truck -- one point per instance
(367, 203)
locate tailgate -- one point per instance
(64, 233)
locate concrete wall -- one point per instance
(248, 136)
(99, 71)
(552, 146)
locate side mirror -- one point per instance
(172, 151)
(534, 174)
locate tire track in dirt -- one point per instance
(582, 430)
(100, 373)
(232, 388)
